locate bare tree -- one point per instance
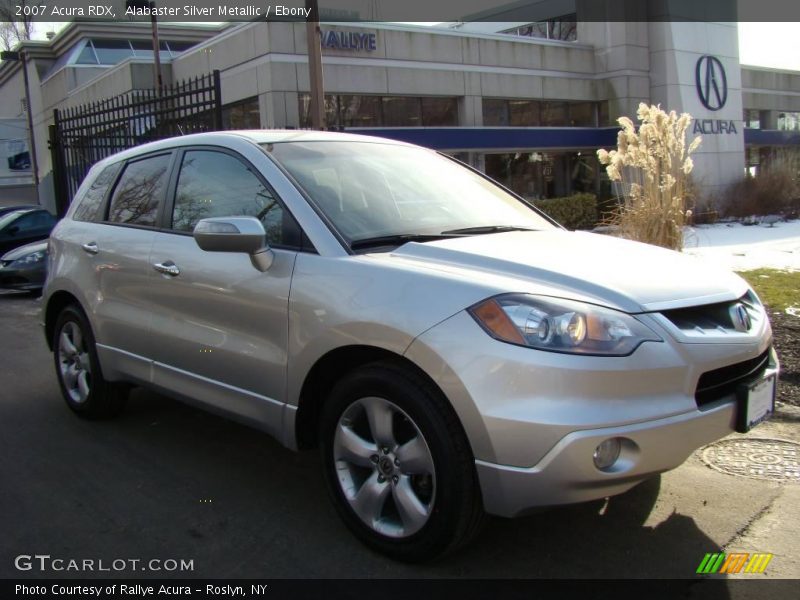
(13, 28)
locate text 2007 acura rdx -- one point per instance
(448, 348)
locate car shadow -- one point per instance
(272, 517)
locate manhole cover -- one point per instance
(773, 460)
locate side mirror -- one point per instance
(235, 234)
(13, 230)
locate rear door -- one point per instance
(113, 247)
(220, 327)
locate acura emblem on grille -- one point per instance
(740, 317)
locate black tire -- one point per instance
(81, 381)
(450, 494)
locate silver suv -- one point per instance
(448, 348)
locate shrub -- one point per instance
(774, 191)
(573, 212)
(651, 167)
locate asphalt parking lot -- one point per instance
(168, 481)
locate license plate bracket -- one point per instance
(756, 402)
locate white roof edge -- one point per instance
(257, 136)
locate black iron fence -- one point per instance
(85, 134)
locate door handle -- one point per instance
(167, 268)
(90, 248)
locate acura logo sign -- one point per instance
(711, 82)
(740, 317)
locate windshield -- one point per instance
(372, 190)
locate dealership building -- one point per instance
(528, 103)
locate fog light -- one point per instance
(607, 453)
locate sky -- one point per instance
(775, 45)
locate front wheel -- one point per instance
(398, 465)
(78, 369)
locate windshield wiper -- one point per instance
(397, 240)
(486, 229)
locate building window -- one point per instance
(347, 110)
(554, 114)
(401, 111)
(495, 112)
(751, 118)
(603, 118)
(352, 111)
(244, 114)
(536, 113)
(537, 175)
(789, 121)
(523, 113)
(582, 114)
(564, 28)
(111, 52)
(439, 112)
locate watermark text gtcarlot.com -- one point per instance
(46, 562)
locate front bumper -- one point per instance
(535, 418)
(567, 473)
(25, 278)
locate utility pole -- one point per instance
(315, 66)
(150, 5)
(156, 51)
(34, 161)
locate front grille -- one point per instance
(722, 382)
(711, 319)
(710, 316)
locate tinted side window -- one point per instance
(36, 221)
(215, 184)
(139, 191)
(90, 207)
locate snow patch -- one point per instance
(746, 247)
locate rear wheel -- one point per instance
(78, 369)
(398, 465)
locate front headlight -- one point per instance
(559, 325)
(30, 259)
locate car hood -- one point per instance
(23, 250)
(627, 275)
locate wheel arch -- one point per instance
(55, 304)
(331, 367)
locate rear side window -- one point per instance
(140, 191)
(90, 207)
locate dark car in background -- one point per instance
(23, 226)
(4, 210)
(24, 268)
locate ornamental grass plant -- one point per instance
(651, 169)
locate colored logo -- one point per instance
(711, 82)
(735, 562)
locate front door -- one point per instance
(220, 327)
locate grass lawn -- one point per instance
(778, 289)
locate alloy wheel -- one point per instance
(384, 467)
(73, 361)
